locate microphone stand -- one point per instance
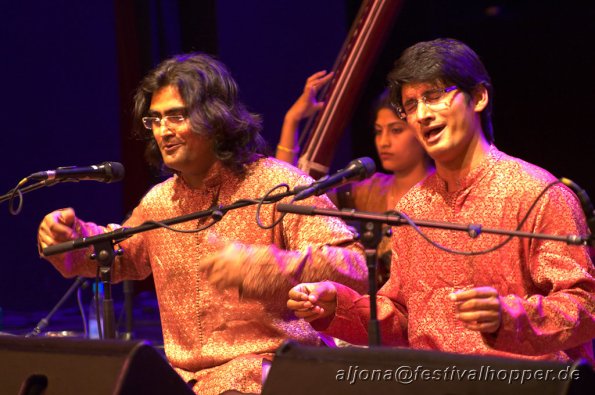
(104, 253)
(44, 322)
(128, 287)
(370, 238)
(395, 219)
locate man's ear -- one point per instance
(480, 98)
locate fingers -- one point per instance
(317, 81)
(206, 264)
(479, 292)
(312, 314)
(223, 268)
(319, 77)
(491, 303)
(218, 260)
(479, 316)
(302, 305)
(303, 292)
(220, 281)
(307, 104)
(479, 309)
(66, 216)
(487, 322)
(315, 76)
(213, 267)
(299, 305)
(57, 227)
(312, 301)
(314, 292)
(485, 327)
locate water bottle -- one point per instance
(96, 316)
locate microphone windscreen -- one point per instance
(116, 171)
(368, 165)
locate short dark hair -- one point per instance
(213, 108)
(446, 60)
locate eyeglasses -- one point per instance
(434, 99)
(171, 121)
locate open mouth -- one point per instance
(433, 134)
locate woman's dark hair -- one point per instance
(212, 107)
(448, 61)
(383, 101)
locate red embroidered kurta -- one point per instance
(547, 288)
(219, 338)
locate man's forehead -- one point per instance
(415, 88)
(166, 99)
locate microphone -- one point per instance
(103, 172)
(356, 170)
(585, 203)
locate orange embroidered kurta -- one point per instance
(547, 288)
(220, 337)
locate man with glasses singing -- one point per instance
(525, 298)
(222, 285)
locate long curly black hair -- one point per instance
(213, 108)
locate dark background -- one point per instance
(69, 69)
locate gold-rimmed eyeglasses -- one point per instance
(434, 99)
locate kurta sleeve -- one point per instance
(561, 315)
(351, 319)
(311, 248)
(133, 264)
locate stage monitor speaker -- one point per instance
(66, 366)
(299, 370)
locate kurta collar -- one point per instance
(475, 175)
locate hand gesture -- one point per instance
(57, 227)
(312, 301)
(479, 309)
(307, 104)
(224, 268)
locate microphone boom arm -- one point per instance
(32, 187)
(391, 219)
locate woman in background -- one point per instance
(399, 151)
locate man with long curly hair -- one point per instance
(221, 290)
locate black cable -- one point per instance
(217, 215)
(264, 200)
(477, 230)
(16, 190)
